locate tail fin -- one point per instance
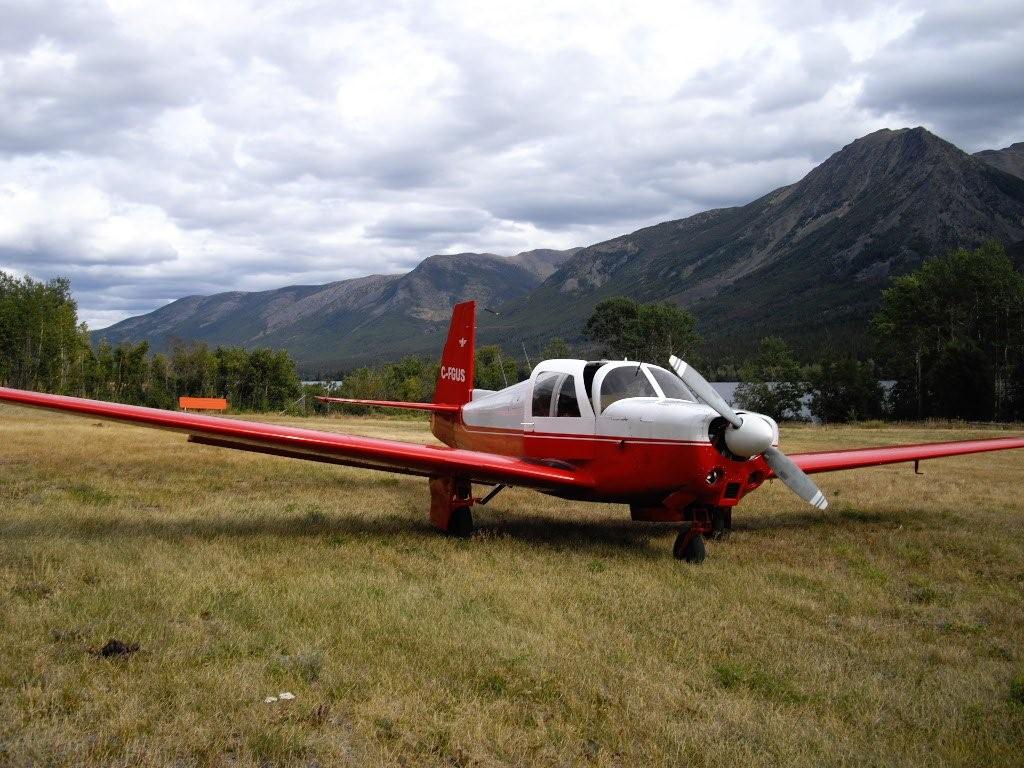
(455, 381)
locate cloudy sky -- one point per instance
(150, 150)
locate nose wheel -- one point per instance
(689, 545)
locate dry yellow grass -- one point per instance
(886, 631)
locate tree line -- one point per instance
(950, 335)
(44, 348)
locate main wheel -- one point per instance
(689, 548)
(461, 523)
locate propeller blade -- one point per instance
(700, 387)
(794, 478)
(783, 467)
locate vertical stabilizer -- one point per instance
(455, 381)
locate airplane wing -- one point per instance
(855, 458)
(313, 445)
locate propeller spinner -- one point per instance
(751, 436)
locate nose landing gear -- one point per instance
(714, 522)
(689, 545)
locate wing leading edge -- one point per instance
(856, 458)
(314, 445)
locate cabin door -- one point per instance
(561, 418)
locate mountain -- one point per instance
(346, 322)
(807, 261)
(1009, 159)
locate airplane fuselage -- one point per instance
(636, 429)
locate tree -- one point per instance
(493, 371)
(196, 370)
(954, 329)
(649, 332)
(843, 389)
(161, 385)
(556, 349)
(771, 382)
(961, 382)
(41, 344)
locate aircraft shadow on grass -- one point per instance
(537, 530)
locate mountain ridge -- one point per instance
(879, 206)
(294, 317)
(807, 261)
(1009, 159)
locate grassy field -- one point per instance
(885, 631)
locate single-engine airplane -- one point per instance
(664, 442)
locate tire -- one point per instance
(461, 523)
(692, 551)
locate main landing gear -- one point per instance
(451, 500)
(461, 523)
(451, 505)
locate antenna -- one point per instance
(527, 355)
(501, 364)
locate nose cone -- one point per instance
(752, 437)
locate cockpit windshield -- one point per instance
(625, 381)
(670, 384)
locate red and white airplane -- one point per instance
(663, 442)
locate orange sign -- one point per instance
(202, 403)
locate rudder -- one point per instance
(455, 380)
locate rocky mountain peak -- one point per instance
(1008, 159)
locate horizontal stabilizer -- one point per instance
(435, 407)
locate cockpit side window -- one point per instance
(670, 384)
(567, 404)
(625, 381)
(543, 389)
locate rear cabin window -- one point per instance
(543, 389)
(625, 381)
(567, 404)
(670, 384)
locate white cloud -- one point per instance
(152, 150)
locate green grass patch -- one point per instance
(732, 675)
(89, 495)
(1017, 690)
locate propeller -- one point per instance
(750, 436)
